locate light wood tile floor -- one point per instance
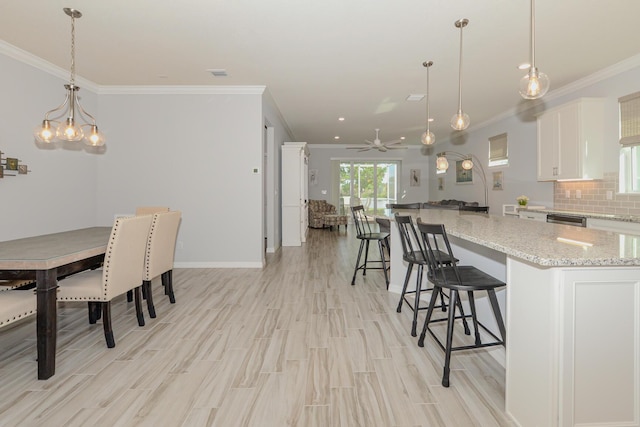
(293, 344)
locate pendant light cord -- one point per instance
(533, 35)
(72, 78)
(460, 75)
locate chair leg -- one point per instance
(472, 306)
(443, 306)
(129, 296)
(458, 303)
(453, 299)
(146, 289)
(384, 263)
(138, 298)
(432, 303)
(94, 311)
(106, 324)
(416, 303)
(366, 258)
(404, 287)
(355, 271)
(496, 312)
(167, 282)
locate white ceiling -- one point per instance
(358, 59)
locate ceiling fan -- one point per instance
(379, 145)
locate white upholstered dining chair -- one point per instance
(150, 210)
(122, 268)
(160, 253)
(15, 305)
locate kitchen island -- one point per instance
(572, 314)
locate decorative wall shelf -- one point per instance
(12, 166)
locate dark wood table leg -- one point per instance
(47, 322)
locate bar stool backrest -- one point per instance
(431, 234)
(409, 236)
(360, 220)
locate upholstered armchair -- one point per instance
(317, 210)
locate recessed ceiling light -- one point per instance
(336, 137)
(341, 119)
(430, 119)
(218, 72)
(415, 97)
(402, 137)
(524, 66)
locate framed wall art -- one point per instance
(463, 176)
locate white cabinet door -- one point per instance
(547, 147)
(570, 141)
(536, 216)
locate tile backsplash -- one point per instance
(593, 197)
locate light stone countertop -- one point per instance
(534, 241)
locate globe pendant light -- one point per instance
(69, 129)
(428, 138)
(460, 120)
(535, 84)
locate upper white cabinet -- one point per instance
(570, 141)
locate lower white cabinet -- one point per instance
(536, 216)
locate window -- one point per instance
(630, 143)
(498, 150)
(372, 184)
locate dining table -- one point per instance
(47, 259)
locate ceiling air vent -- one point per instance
(415, 97)
(218, 72)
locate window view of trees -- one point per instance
(371, 184)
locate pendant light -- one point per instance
(460, 121)
(535, 84)
(69, 129)
(428, 138)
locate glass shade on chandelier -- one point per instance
(428, 138)
(460, 120)
(535, 83)
(467, 164)
(67, 127)
(442, 164)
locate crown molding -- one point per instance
(30, 59)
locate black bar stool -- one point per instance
(365, 234)
(413, 256)
(457, 279)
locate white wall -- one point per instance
(193, 149)
(60, 191)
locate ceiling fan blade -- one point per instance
(369, 142)
(403, 147)
(395, 141)
(382, 148)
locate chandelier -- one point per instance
(65, 125)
